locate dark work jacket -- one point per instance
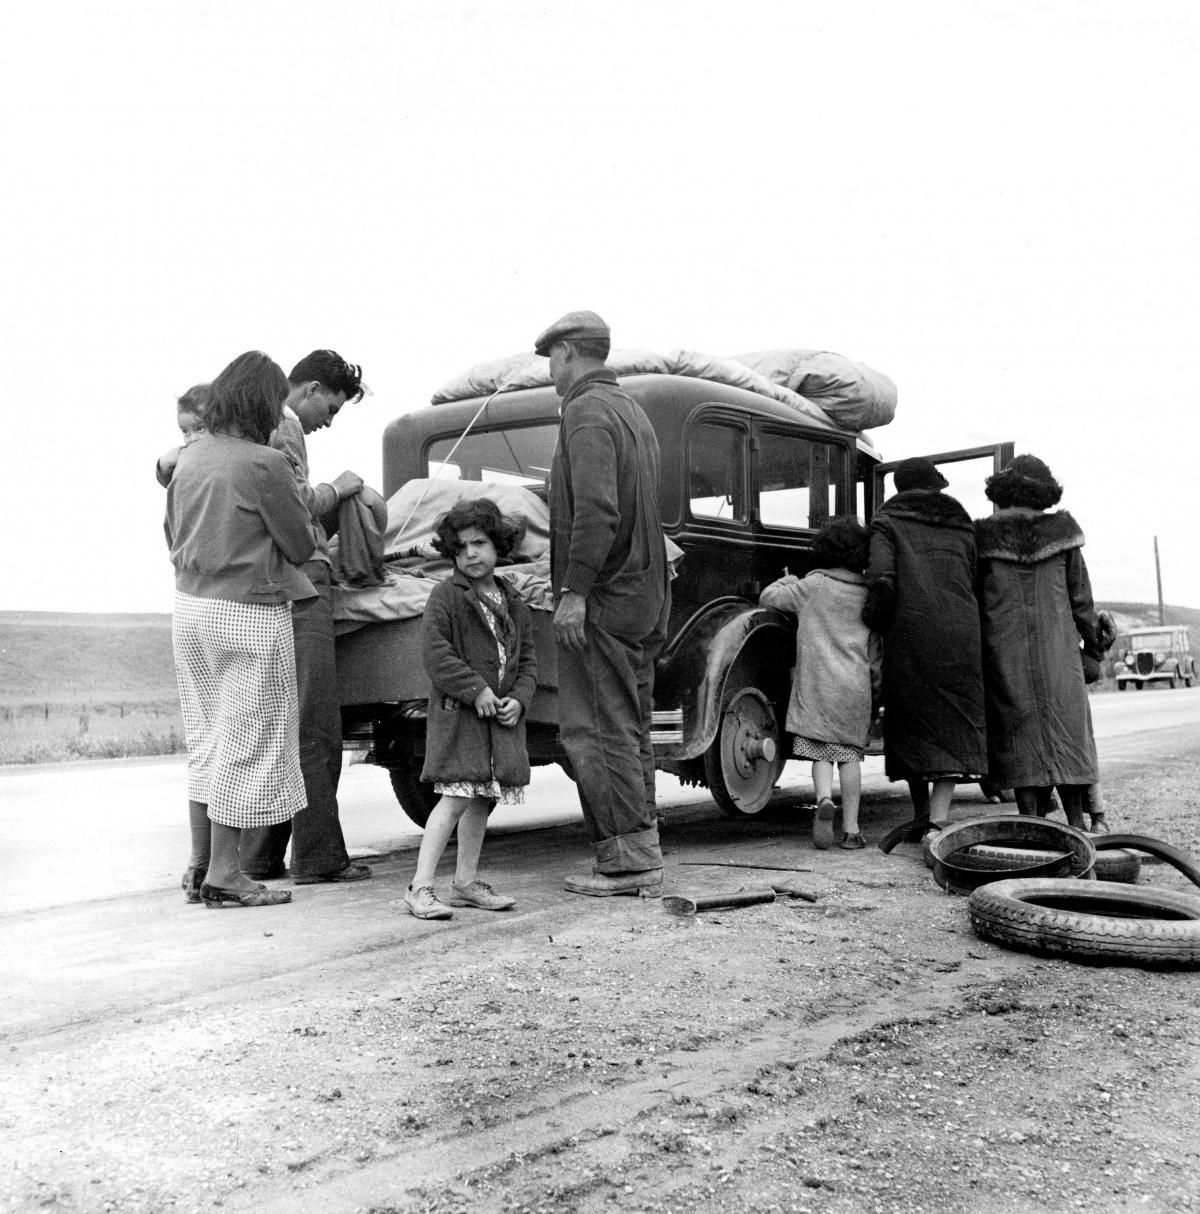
(921, 600)
(461, 659)
(1036, 605)
(606, 536)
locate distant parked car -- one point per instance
(1156, 655)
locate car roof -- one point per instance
(667, 399)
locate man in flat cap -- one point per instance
(609, 570)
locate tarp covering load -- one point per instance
(413, 512)
(532, 371)
(853, 394)
(412, 570)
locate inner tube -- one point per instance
(1069, 852)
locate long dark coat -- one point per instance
(921, 599)
(1036, 605)
(461, 659)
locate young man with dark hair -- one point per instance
(609, 569)
(319, 385)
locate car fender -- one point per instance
(695, 667)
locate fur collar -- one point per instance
(1012, 535)
(934, 509)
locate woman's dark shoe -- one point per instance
(215, 896)
(193, 878)
(852, 842)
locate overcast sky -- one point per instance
(993, 203)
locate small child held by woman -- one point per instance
(478, 649)
(190, 417)
(836, 679)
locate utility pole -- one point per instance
(1158, 579)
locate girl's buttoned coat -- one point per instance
(835, 682)
(461, 659)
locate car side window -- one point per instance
(799, 480)
(716, 472)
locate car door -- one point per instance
(966, 469)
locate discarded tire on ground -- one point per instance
(1116, 864)
(1103, 922)
(957, 871)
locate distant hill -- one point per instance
(60, 656)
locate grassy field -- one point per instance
(80, 686)
(76, 686)
(51, 732)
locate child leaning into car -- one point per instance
(836, 679)
(478, 648)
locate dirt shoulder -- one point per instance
(864, 1052)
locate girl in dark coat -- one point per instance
(920, 598)
(479, 655)
(1036, 605)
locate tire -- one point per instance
(1068, 853)
(744, 761)
(416, 796)
(1102, 922)
(1175, 680)
(1116, 864)
(1174, 856)
(1122, 684)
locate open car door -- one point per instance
(966, 470)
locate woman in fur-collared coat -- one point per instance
(921, 600)
(1036, 605)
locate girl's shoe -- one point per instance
(423, 904)
(216, 897)
(851, 842)
(1099, 825)
(480, 894)
(823, 824)
(193, 879)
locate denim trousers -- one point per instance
(318, 846)
(604, 711)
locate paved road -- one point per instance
(83, 831)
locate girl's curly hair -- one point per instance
(505, 531)
(843, 543)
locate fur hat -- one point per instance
(918, 474)
(1024, 481)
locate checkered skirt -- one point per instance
(235, 664)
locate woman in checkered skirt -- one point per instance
(238, 530)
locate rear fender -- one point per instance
(726, 635)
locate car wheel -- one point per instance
(1098, 921)
(1175, 680)
(745, 758)
(1122, 684)
(416, 796)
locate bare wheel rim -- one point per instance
(744, 761)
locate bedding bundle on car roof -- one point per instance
(819, 383)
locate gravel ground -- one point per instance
(866, 1052)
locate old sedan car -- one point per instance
(1155, 655)
(746, 482)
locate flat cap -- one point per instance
(575, 326)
